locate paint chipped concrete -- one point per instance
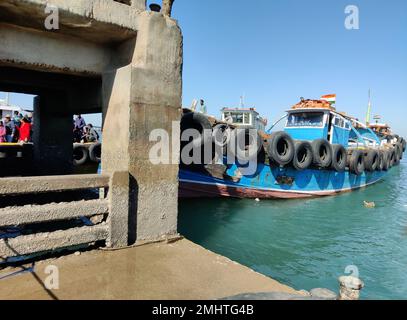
(180, 270)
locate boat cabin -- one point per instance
(244, 118)
(6, 109)
(318, 123)
(381, 129)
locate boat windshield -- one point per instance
(306, 119)
(238, 117)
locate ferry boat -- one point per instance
(320, 152)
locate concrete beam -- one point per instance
(27, 185)
(51, 51)
(13, 216)
(99, 21)
(51, 241)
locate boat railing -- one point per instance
(111, 211)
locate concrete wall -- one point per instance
(121, 59)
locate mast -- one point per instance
(369, 110)
(242, 101)
(8, 98)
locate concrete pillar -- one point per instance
(167, 7)
(52, 136)
(138, 98)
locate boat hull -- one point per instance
(273, 182)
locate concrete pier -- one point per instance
(179, 270)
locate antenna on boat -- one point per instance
(242, 101)
(369, 110)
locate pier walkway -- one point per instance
(178, 270)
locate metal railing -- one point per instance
(113, 229)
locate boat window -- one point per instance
(337, 122)
(340, 123)
(306, 119)
(246, 118)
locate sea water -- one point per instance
(310, 243)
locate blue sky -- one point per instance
(276, 51)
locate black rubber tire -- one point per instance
(380, 166)
(403, 144)
(80, 155)
(371, 160)
(339, 158)
(240, 137)
(280, 148)
(356, 162)
(397, 154)
(95, 152)
(221, 135)
(386, 160)
(322, 153)
(392, 157)
(400, 151)
(302, 155)
(200, 122)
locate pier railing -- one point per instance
(111, 227)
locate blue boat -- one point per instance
(320, 152)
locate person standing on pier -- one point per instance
(91, 134)
(17, 118)
(2, 132)
(25, 130)
(78, 128)
(10, 129)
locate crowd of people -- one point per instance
(17, 128)
(83, 133)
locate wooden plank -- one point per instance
(12, 216)
(27, 185)
(44, 242)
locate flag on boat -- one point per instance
(331, 98)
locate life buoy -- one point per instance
(371, 160)
(339, 157)
(280, 148)
(80, 155)
(322, 153)
(302, 155)
(95, 152)
(356, 162)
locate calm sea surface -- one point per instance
(310, 243)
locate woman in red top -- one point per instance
(25, 130)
